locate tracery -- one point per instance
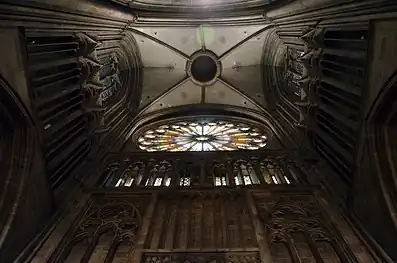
(203, 135)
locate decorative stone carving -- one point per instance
(87, 44)
(297, 222)
(307, 82)
(313, 37)
(119, 215)
(305, 113)
(206, 219)
(310, 63)
(202, 258)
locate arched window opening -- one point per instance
(160, 175)
(244, 173)
(327, 251)
(132, 175)
(180, 172)
(202, 135)
(302, 246)
(273, 174)
(110, 175)
(185, 181)
(103, 245)
(76, 250)
(186, 174)
(220, 174)
(280, 252)
(123, 251)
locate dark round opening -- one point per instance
(203, 69)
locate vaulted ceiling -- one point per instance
(166, 53)
(196, 6)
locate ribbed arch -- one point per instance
(274, 63)
(129, 73)
(20, 164)
(377, 167)
(216, 111)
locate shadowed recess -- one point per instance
(204, 69)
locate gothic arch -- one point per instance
(18, 163)
(381, 128)
(129, 67)
(264, 118)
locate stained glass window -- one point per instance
(185, 181)
(272, 174)
(244, 173)
(203, 136)
(220, 181)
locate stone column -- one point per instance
(356, 247)
(147, 220)
(260, 232)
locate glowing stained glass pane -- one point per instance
(119, 182)
(286, 180)
(217, 181)
(185, 181)
(223, 180)
(220, 181)
(197, 147)
(236, 181)
(158, 181)
(202, 136)
(274, 179)
(247, 180)
(168, 181)
(129, 182)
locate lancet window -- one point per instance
(244, 173)
(187, 173)
(182, 171)
(132, 175)
(273, 174)
(160, 174)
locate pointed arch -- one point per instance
(20, 165)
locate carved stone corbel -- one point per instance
(313, 37)
(87, 44)
(310, 62)
(305, 110)
(90, 69)
(96, 120)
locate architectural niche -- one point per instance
(21, 164)
(107, 230)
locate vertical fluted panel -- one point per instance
(342, 71)
(199, 221)
(56, 79)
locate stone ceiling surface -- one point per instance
(166, 52)
(193, 5)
